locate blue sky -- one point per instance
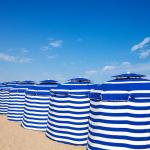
(63, 39)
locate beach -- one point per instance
(14, 137)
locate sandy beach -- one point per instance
(14, 137)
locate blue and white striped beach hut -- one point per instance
(17, 99)
(120, 114)
(37, 105)
(69, 112)
(4, 95)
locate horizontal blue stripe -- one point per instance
(70, 112)
(140, 131)
(40, 117)
(120, 107)
(67, 122)
(69, 117)
(34, 114)
(72, 107)
(67, 132)
(70, 101)
(121, 122)
(64, 137)
(31, 110)
(123, 145)
(122, 137)
(121, 114)
(66, 127)
(32, 106)
(31, 122)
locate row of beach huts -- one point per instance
(114, 115)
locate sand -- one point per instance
(14, 137)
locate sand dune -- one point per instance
(14, 137)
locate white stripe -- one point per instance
(119, 133)
(68, 119)
(130, 111)
(70, 109)
(67, 90)
(128, 103)
(35, 100)
(67, 135)
(70, 114)
(34, 112)
(120, 118)
(34, 108)
(35, 121)
(38, 96)
(127, 126)
(68, 124)
(140, 91)
(126, 82)
(107, 147)
(36, 117)
(142, 98)
(71, 99)
(12, 106)
(137, 143)
(70, 104)
(31, 124)
(67, 129)
(44, 105)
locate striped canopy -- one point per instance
(4, 95)
(37, 105)
(120, 115)
(17, 99)
(69, 112)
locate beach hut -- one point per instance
(69, 112)
(4, 95)
(120, 114)
(17, 99)
(37, 105)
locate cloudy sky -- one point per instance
(62, 39)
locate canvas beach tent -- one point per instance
(17, 99)
(4, 95)
(69, 112)
(37, 105)
(120, 114)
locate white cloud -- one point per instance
(145, 54)
(125, 63)
(24, 60)
(56, 43)
(141, 44)
(14, 59)
(109, 68)
(6, 57)
(143, 48)
(120, 66)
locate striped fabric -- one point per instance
(16, 101)
(37, 105)
(4, 97)
(120, 115)
(69, 112)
